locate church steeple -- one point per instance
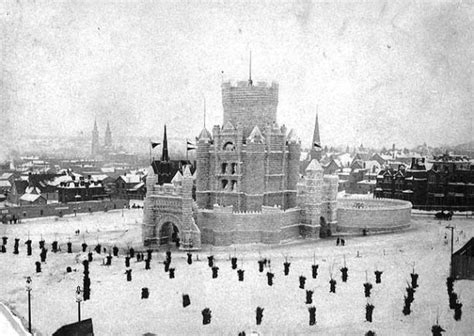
(250, 69)
(95, 139)
(316, 144)
(108, 136)
(164, 154)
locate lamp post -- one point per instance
(78, 300)
(452, 240)
(28, 289)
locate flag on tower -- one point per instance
(317, 145)
(154, 144)
(190, 145)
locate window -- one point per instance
(224, 184)
(234, 185)
(233, 169)
(224, 168)
(229, 146)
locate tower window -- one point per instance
(234, 185)
(225, 184)
(233, 168)
(224, 168)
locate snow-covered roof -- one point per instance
(99, 177)
(371, 163)
(131, 178)
(367, 182)
(32, 190)
(30, 197)
(63, 178)
(137, 186)
(5, 184)
(304, 156)
(314, 166)
(345, 159)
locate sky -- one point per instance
(377, 73)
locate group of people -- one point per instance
(340, 241)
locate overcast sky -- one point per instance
(378, 73)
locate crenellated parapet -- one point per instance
(248, 105)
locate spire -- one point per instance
(95, 139)
(292, 137)
(316, 145)
(164, 155)
(204, 135)
(204, 112)
(187, 171)
(108, 136)
(250, 69)
(316, 137)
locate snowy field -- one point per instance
(116, 306)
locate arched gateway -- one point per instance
(168, 215)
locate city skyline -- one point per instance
(376, 74)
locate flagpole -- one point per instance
(150, 152)
(186, 151)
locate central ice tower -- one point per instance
(250, 162)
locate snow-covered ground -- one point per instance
(116, 306)
(10, 325)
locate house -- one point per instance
(130, 186)
(17, 190)
(5, 187)
(32, 199)
(80, 189)
(332, 167)
(447, 182)
(380, 158)
(463, 262)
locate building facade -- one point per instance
(447, 185)
(248, 186)
(80, 190)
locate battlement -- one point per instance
(249, 105)
(223, 209)
(242, 84)
(168, 189)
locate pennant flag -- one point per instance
(317, 145)
(190, 145)
(154, 144)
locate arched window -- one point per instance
(225, 184)
(229, 146)
(224, 168)
(234, 185)
(233, 169)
